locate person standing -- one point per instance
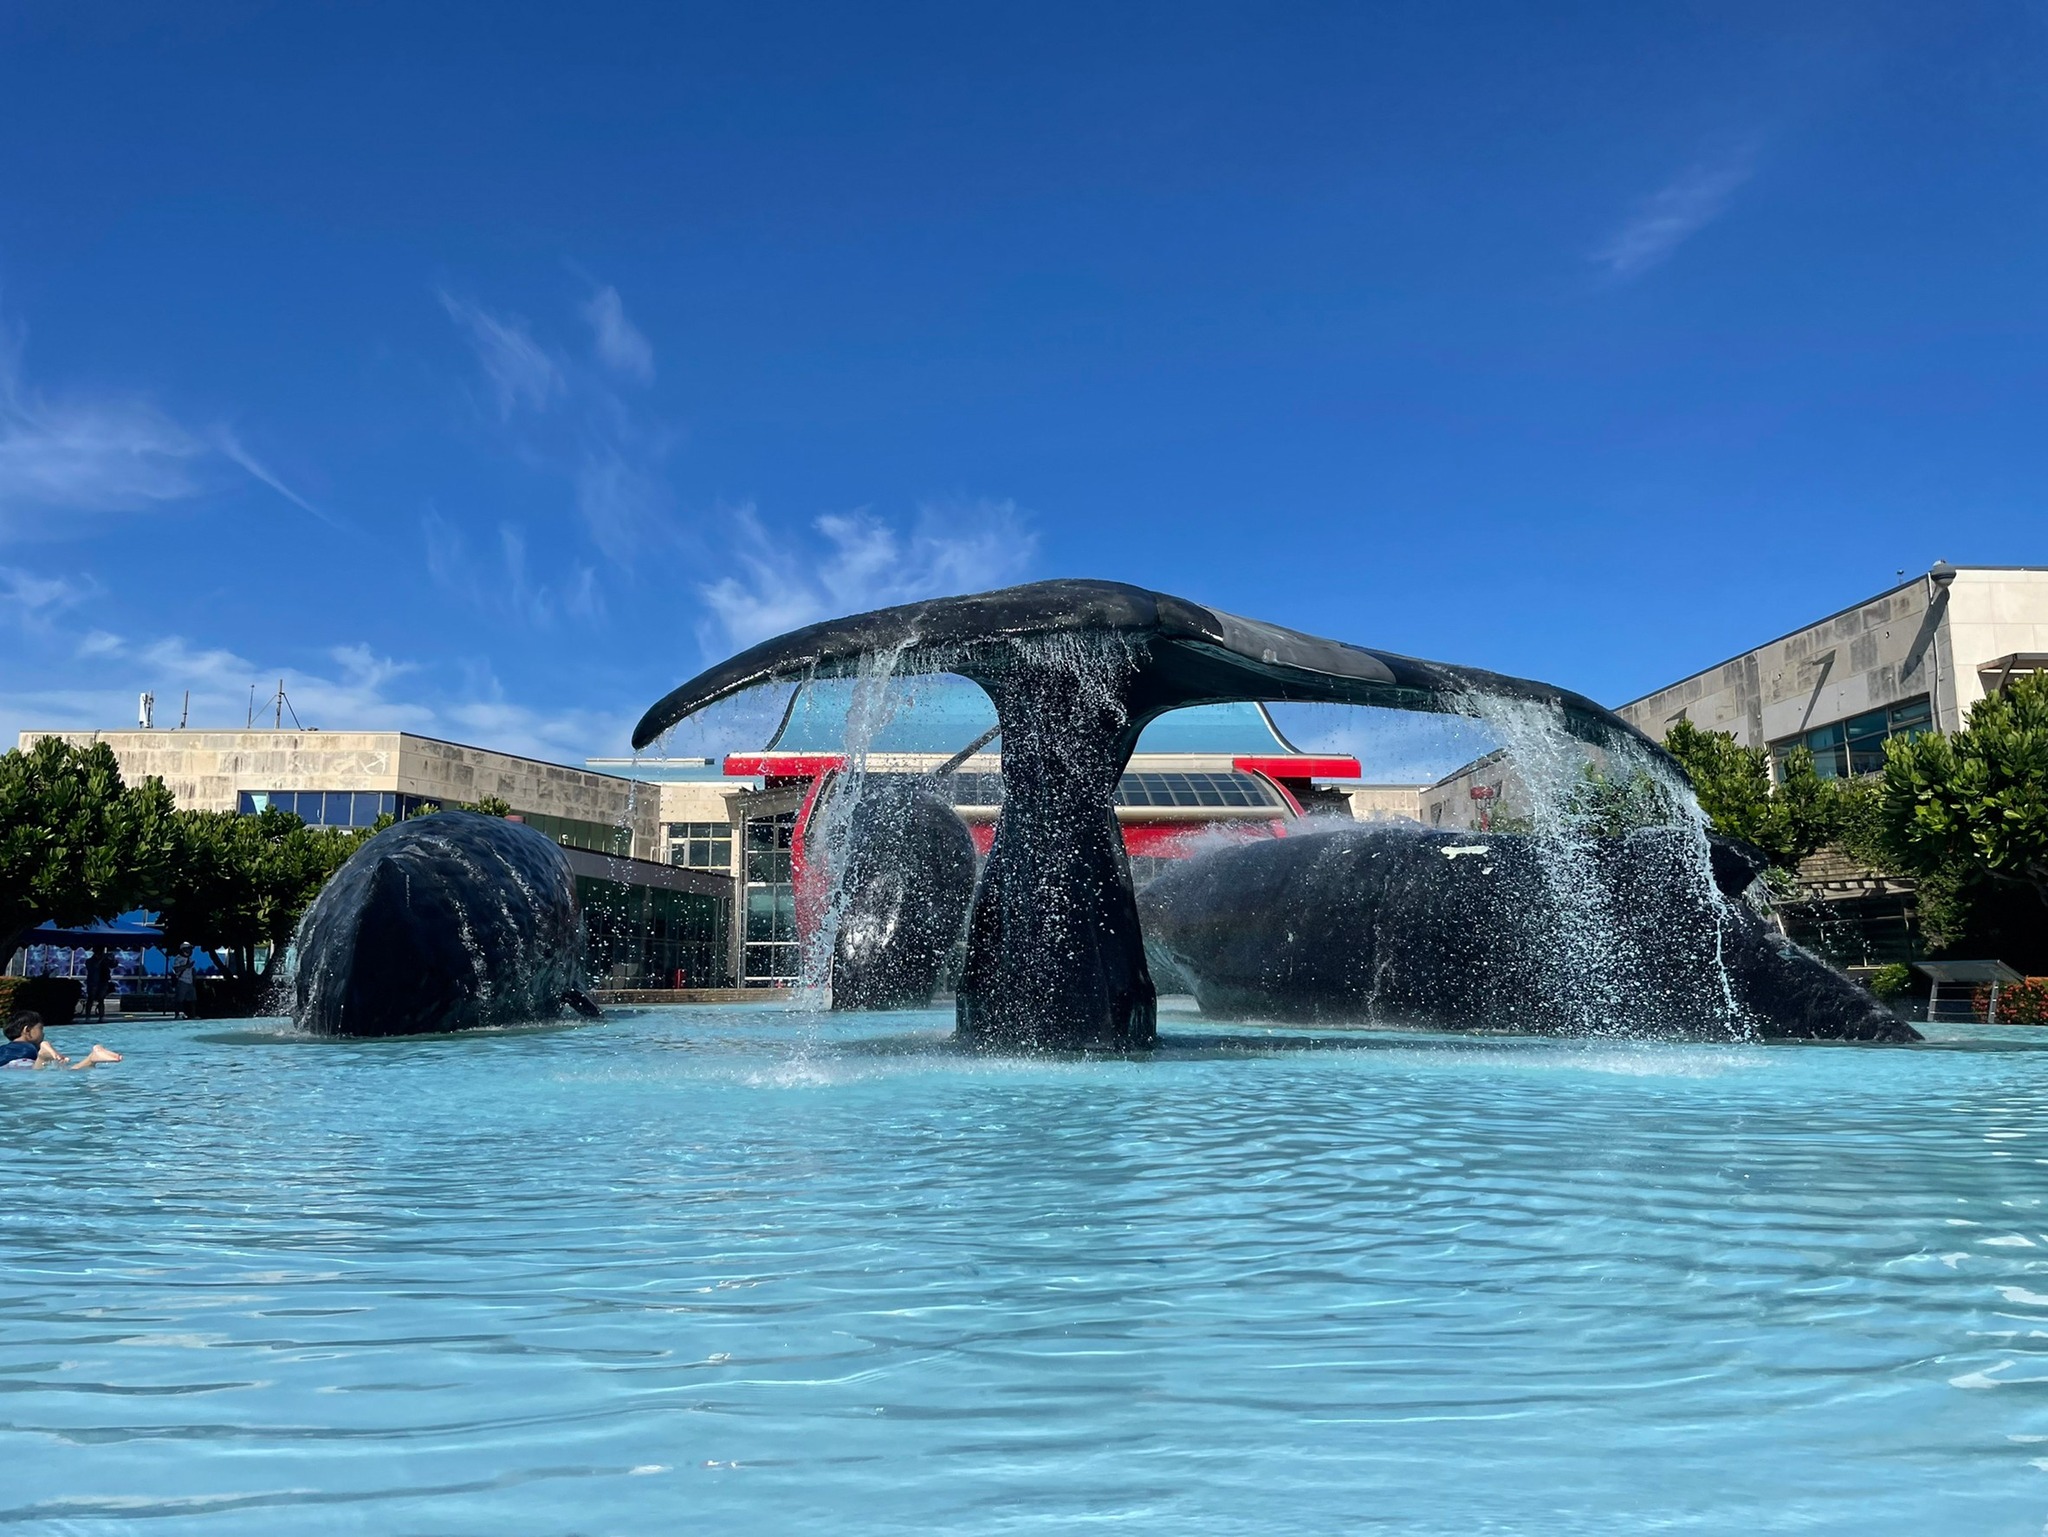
(99, 982)
(184, 984)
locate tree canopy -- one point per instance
(1980, 796)
(1788, 821)
(1964, 815)
(76, 843)
(239, 882)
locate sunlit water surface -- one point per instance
(729, 1271)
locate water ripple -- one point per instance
(729, 1271)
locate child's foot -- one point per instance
(97, 1054)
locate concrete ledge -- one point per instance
(628, 995)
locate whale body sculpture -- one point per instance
(1385, 923)
(1055, 958)
(444, 922)
(909, 878)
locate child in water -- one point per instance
(25, 1047)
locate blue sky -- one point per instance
(487, 370)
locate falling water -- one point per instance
(1598, 965)
(1051, 682)
(878, 696)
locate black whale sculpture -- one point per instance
(1382, 923)
(909, 878)
(1055, 959)
(444, 922)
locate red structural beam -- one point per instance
(783, 765)
(1299, 768)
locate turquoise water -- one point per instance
(719, 1271)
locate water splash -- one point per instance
(1574, 801)
(878, 696)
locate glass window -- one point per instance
(700, 845)
(972, 789)
(363, 808)
(771, 913)
(1866, 734)
(1855, 745)
(337, 808)
(770, 950)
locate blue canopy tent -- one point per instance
(132, 931)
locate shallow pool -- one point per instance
(725, 1270)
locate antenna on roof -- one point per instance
(280, 706)
(145, 709)
(185, 713)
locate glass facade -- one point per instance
(572, 833)
(361, 808)
(1845, 748)
(701, 845)
(1205, 790)
(323, 808)
(769, 947)
(641, 936)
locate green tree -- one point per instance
(240, 882)
(490, 806)
(1788, 821)
(1980, 796)
(76, 843)
(1967, 815)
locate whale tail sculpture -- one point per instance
(1055, 956)
(441, 923)
(1396, 924)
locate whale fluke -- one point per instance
(1076, 669)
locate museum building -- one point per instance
(645, 918)
(1913, 658)
(690, 870)
(1197, 775)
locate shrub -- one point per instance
(1890, 981)
(55, 998)
(2019, 1003)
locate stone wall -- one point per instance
(1913, 640)
(206, 771)
(1450, 802)
(1993, 612)
(1374, 802)
(1876, 653)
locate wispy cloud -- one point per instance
(36, 602)
(611, 454)
(231, 447)
(1675, 213)
(521, 372)
(620, 345)
(861, 563)
(102, 454)
(575, 421)
(88, 456)
(622, 496)
(497, 580)
(94, 686)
